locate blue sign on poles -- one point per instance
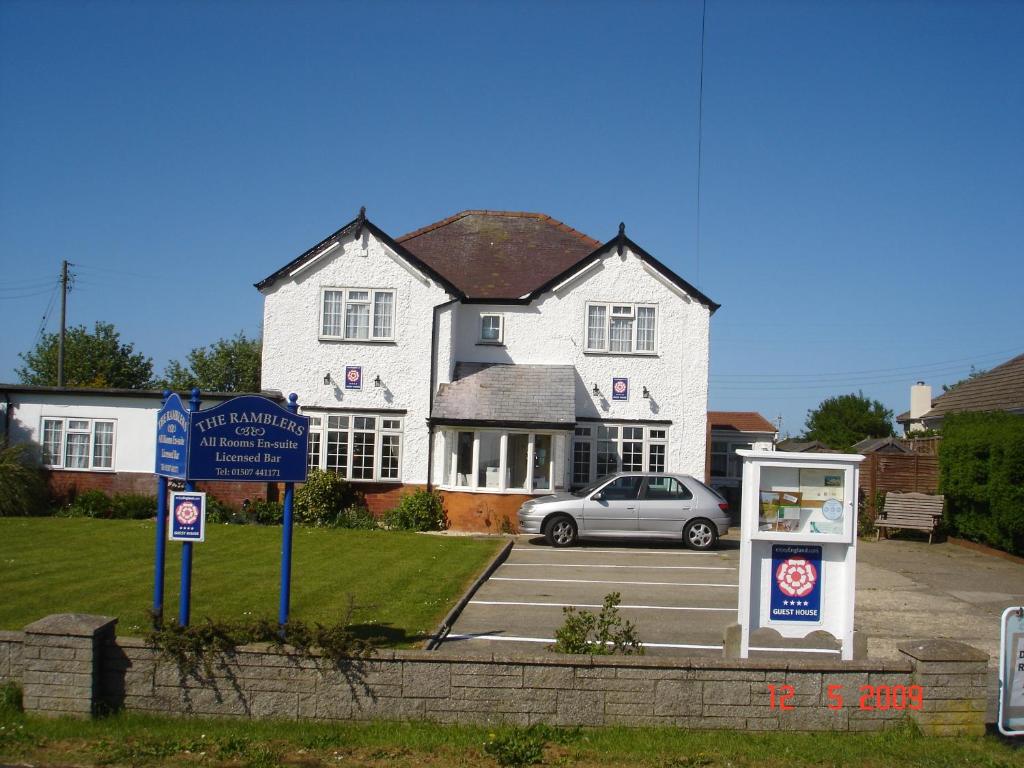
(249, 439)
(188, 516)
(353, 377)
(172, 439)
(795, 583)
(620, 389)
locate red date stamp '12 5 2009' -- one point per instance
(871, 697)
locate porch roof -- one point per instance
(495, 393)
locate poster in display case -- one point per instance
(804, 501)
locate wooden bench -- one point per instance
(918, 511)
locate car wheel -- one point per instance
(700, 534)
(561, 531)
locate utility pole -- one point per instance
(63, 321)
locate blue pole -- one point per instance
(286, 538)
(161, 537)
(185, 598)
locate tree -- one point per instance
(975, 373)
(841, 421)
(96, 359)
(227, 365)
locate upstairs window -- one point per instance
(491, 329)
(357, 314)
(621, 328)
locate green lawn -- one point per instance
(403, 583)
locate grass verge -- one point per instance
(402, 583)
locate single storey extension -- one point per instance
(493, 355)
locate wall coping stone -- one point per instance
(941, 650)
(71, 624)
(11, 636)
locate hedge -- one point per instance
(981, 466)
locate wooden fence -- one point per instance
(907, 472)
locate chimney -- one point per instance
(920, 400)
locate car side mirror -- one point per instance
(599, 496)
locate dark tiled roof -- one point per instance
(499, 254)
(741, 421)
(797, 446)
(496, 393)
(880, 445)
(1001, 389)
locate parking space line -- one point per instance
(632, 583)
(513, 639)
(595, 605)
(584, 551)
(644, 567)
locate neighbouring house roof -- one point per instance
(1000, 389)
(486, 393)
(880, 445)
(740, 421)
(797, 446)
(495, 256)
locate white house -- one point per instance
(492, 355)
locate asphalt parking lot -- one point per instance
(679, 600)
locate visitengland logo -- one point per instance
(353, 375)
(620, 387)
(796, 577)
(187, 513)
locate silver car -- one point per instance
(656, 505)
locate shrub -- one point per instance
(420, 510)
(218, 511)
(600, 635)
(133, 506)
(356, 517)
(323, 497)
(22, 482)
(981, 474)
(515, 748)
(266, 512)
(92, 503)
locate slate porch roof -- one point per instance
(504, 394)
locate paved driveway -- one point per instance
(680, 600)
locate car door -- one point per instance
(664, 507)
(612, 510)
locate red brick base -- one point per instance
(65, 486)
(482, 512)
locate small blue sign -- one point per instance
(248, 439)
(172, 439)
(795, 583)
(188, 516)
(620, 389)
(353, 377)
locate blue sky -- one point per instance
(863, 193)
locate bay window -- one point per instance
(621, 328)
(357, 314)
(493, 460)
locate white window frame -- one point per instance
(90, 430)
(653, 434)
(319, 424)
(450, 445)
(372, 294)
(501, 328)
(618, 310)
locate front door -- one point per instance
(613, 508)
(665, 506)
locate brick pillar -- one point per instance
(61, 657)
(953, 678)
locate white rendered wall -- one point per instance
(295, 360)
(552, 331)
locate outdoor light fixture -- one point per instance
(377, 382)
(647, 393)
(327, 378)
(596, 391)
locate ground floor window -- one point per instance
(725, 462)
(356, 446)
(498, 460)
(600, 449)
(78, 443)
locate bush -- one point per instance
(266, 512)
(515, 748)
(323, 498)
(420, 510)
(23, 488)
(90, 503)
(601, 635)
(981, 474)
(357, 518)
(218, 511)
(133, 506)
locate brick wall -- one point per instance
(259, 682)
(483, 512)
(65, 485)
